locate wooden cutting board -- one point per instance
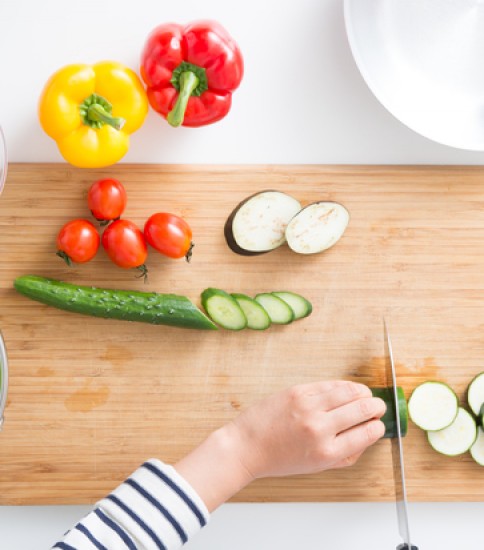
(91, 399)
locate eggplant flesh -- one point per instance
(317, 227)
(258, 224)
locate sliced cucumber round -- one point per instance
(257, 316)
(433, 406)
(389, 418)
(457, 438)
(300, 305)
(278, 310)
(477, 449)
(223, 309)
(475, 395)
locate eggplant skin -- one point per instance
(228, 231)
(229, 237)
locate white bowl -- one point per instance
(423, 60)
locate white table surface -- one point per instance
(302, 100)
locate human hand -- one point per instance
(308, 428)
(303, 429)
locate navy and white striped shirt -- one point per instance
(154, 509)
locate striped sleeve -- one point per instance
(154, 509)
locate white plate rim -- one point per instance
(466, 145)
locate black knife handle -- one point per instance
(406, 547)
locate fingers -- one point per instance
(343, 393)
(356, 412)
(323, 387)
(355, 440)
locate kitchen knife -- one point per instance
(397, 449)
(3, 378)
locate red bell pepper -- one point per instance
(190, 72)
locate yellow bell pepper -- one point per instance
(90, 111)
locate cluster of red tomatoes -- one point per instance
(126, 245)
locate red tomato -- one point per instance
(125, 245)
(107, 199)
(169, 234)
(77, 241)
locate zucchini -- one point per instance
(475, 397)
(457, 438)
(299, 305)
(128, 305)
(223, 309)
(477, 449)
(278, 310)
(433, 406)
(389, 417)
(257, 316)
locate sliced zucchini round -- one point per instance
(223, 309)
(433, 406)
(475, 394)
(257, 316)
(317, 227)
(477, 449)
(457, 438)
(300, 305)
(278, 310)
(258, 224)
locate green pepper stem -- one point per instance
(188, 82)
(98, 113)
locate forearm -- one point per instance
(214, 469)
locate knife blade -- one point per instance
(397, 448)
(3, 378)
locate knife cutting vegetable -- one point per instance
(191, 71)
(397, 448)
(91, 110)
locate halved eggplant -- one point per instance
(258, 224)
(317, 227)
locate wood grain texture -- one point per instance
(90, 399)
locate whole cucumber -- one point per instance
(128, 305)
(389, 417)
